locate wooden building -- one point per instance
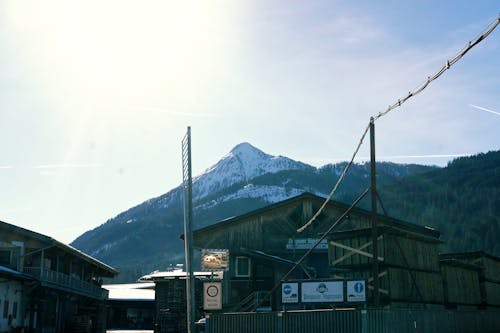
(170, 313)
(409, 270)
(131, 306)
(264, 245)
(487, 268)
(461, 286)
(58, 288)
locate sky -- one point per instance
(96, 96)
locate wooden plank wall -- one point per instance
(461, 285)
(410, 253)
(410, 266)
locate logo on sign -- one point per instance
(358, 287)
(287, 289)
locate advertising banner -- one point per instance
(214, 260)
(322, 291)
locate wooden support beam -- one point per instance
(383, 291)
(350, 254)
(357, 251)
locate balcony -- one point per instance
(66, 282)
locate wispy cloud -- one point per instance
(5, 167)
(424, 156)
(484, 109)
(68, 166)
(171, 112)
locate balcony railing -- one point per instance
(63, 281)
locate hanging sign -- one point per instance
(212, 295)
(214, 260)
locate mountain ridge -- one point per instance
(228, 189)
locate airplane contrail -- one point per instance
(484, 109)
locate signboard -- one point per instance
(356, 291)
(212, 295)
(290, 292)
(306, 244)
(214, 260)
(322, 291)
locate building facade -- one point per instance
(52, 287)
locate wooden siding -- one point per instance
(422, 287)
(408, 263)
(461, 285)
(492, 291)
(491, 268)
(410, 253)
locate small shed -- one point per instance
(489, 275)
(460, 282)
(409, 269)
(170, 299)
(131, 306)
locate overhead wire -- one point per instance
(397, 104)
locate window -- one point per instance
(14, 310)
(5, 308)
(5, 257)
(242, 267)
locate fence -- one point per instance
(357, 321)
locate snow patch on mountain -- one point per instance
(243, 163)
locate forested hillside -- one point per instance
(461, 200)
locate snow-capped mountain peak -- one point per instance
(241, 164)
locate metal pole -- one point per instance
(376, 282)
(188, 231)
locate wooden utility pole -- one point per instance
(373, 186)
(188, 231)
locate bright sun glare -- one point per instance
(109, 52)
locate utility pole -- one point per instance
(188, 231)
(373, 186)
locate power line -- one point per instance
(397, 104)
(443, 69)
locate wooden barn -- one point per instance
(264, 245)
(488, 275)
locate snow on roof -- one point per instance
(141, 285)
(166, 275)
(131, 291)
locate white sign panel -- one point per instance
(290, 292)
(322, 291)
(306, 244)
(212, 295)
(356, 291)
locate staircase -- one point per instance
(256, 301)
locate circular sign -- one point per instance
(212, 291)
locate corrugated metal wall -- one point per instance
(358, 321)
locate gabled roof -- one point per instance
(51, 242)
(428, 231)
